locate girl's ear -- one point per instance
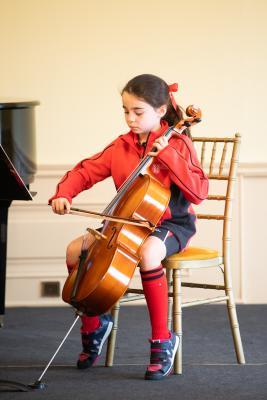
(162, 110)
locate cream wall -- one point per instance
(75, 57)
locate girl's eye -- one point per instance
(136, 113)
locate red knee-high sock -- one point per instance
(89, 324)
(156, 293)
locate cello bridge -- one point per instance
(98, 235)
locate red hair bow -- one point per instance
(173, 88)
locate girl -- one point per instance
(150, 109)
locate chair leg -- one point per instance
(112, 338)
(235, 327)
(177, 318)
(169, 281)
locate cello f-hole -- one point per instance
(110, 244)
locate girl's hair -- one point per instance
(155, 92)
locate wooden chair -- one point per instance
(214, 154)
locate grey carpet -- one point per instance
(31, 335)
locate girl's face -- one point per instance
(140, 116)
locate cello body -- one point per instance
(112, 259)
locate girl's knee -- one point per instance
(72, 252)
(74, 248)
(152, 253)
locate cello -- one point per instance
(104, 271)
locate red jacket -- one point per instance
(176, 166)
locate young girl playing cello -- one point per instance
(149, 109)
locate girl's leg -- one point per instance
(155, 286)
(94, 330)
(164, 344)
(89, 324)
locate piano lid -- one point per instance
(17, 135)
(12, 186)
(11, 103)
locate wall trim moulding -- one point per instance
(53, 170)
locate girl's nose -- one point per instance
(131, 117)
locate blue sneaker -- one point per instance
(93, 343)
(162, 357)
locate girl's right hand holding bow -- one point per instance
(60, 206)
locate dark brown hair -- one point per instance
(155, 92)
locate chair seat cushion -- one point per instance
(193, 257)
(195, 253)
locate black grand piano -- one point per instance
(17, 168)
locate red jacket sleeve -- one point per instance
(185, 170)
(85, 174)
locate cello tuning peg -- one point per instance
(193, 111)
(187, 124)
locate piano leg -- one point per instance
(4, 205)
